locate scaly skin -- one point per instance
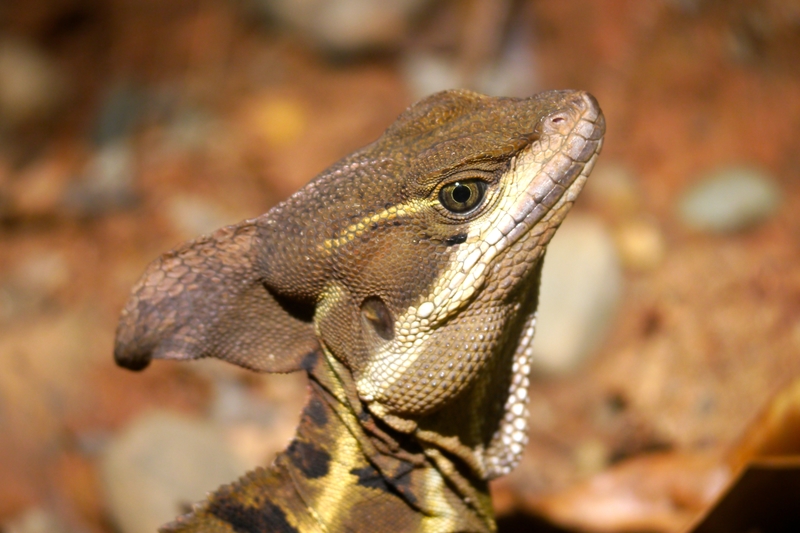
(404, 280)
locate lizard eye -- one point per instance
(462, 196)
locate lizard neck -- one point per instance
(378, 475)
(345, 469)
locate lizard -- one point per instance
(404, 280)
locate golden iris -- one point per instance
(462, 196)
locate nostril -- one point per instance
(555, 123)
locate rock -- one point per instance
(107, 183)
(513, 73)
(641, 244)
(159, 464)
(261, 418)
(232, 402)
(581, 288)
(347, 26)
(614, 189)
(729, 199)
(192, 216)
(31, 84)
(119, 113)
(591, 457)
(45, 271)
(32, 284)
(35, 520)
(276, 121)
(426, 72)
(191, 129)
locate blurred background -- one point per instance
(671, 301)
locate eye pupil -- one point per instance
(461, 193)
(462, 196)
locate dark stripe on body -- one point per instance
(313, 462)
(316, 412)
(266, 517)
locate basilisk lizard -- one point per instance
(404, 280)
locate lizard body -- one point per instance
(404, 280)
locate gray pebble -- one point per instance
(31, 285)
(119, 113)
(107, 183)
(426, 72)
(191, 129)
(729, 199)
(35, 520)
(580, 292)
(161, 463)
(513, 72)
(346, 26)
(193, 215)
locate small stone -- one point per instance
(347, 26)
(729, 199)
(107, 183)
(193, 215)
(640, 243)
(512, 73)
(31, 84)
(426, 73)
(191, 129)
(46, 271)
(613, 188)
(591, 457)
(119, 113)
(260, 413)
(232, 402)
(161, 463)
(581, 289)
(32, 284)
(278, 121)
(35, 520)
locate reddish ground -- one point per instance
(704, 338)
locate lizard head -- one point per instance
(413, 261)
(443, 264)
